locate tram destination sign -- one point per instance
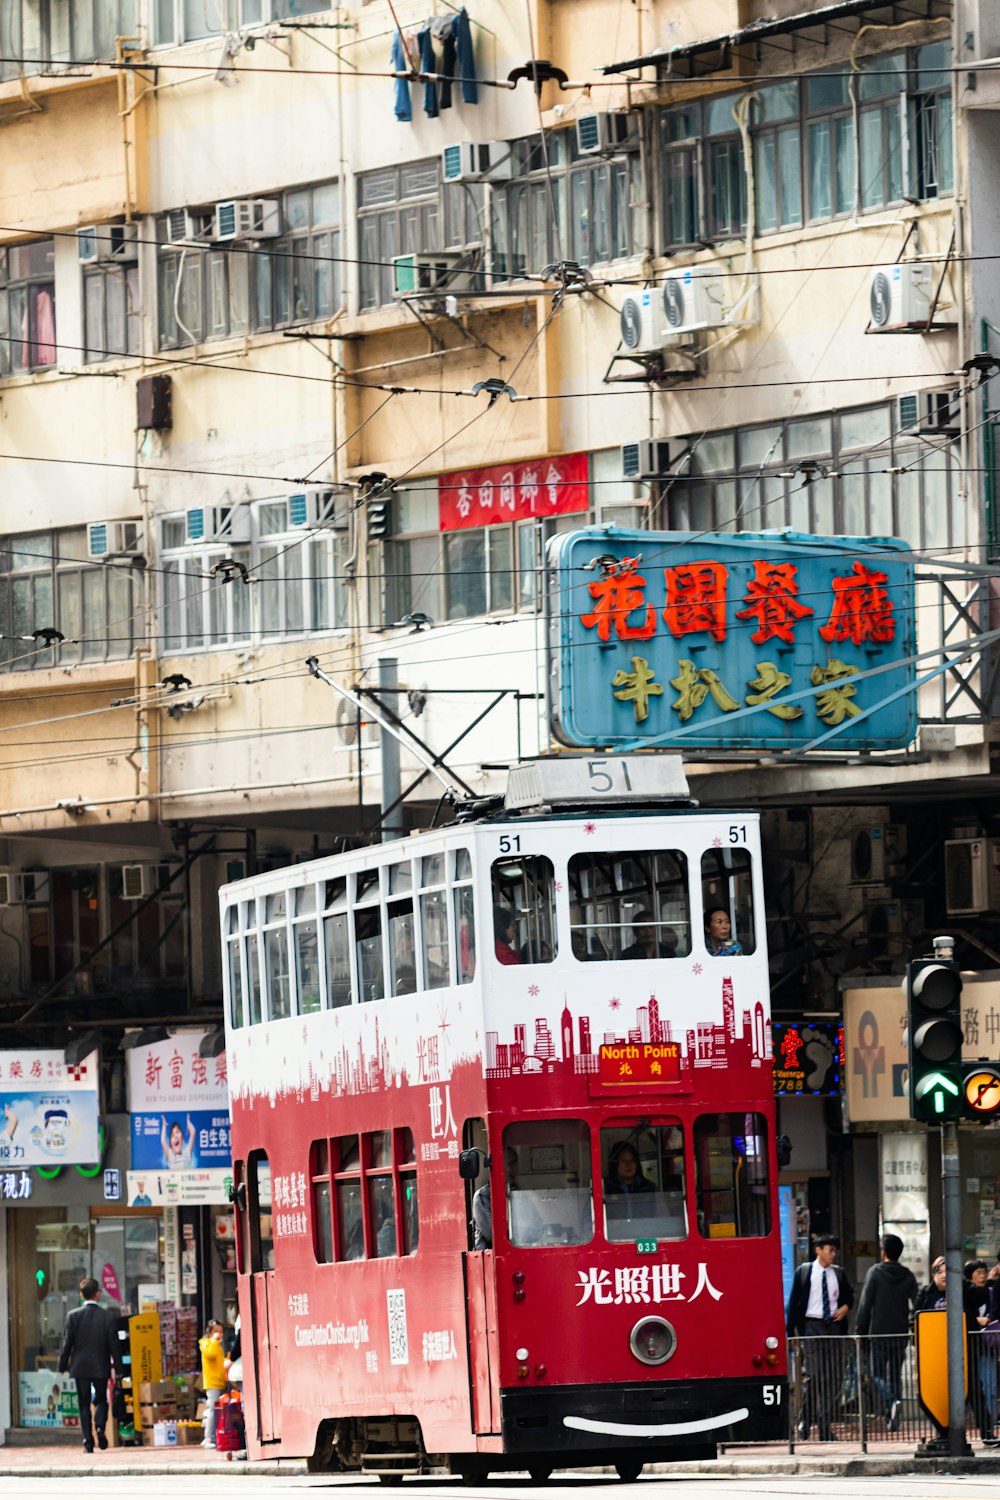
(755, 640)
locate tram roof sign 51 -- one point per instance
(758, 640)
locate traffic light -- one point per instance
(380, 519)
(981, 1091)
(934, 1028)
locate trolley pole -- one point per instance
(392, 821)
(951, 1193)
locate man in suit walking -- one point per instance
(818, 1308)
(87, 1353)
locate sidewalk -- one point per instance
(59, 1461)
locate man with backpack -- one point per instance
(884, 1315)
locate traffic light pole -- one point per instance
(951, 1187)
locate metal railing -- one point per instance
(854, 1388)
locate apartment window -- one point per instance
(743, 480)
(33, 35)
(46, 581)
(214, 292)
(830, 161)
(176, 21)
(680, 133)
(777, 149)
(299, 585)
(27, 307)
(297, 278)
(726, 171)
(399, 212)
(110, 312)
(931, 117)
(560, 202)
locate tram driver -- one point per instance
(525, 1218)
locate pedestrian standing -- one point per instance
(87, 1352)
(213, 1371)
(818, 1308)
(978, 1300)
(884, 1313)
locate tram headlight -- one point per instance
(652, 1341)
(771, 1343)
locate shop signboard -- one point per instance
(808, 1056)
(47, 1399)
(180, 1106)
(171, 1256)
(876, 1084)
(50, 1109)
(770, 640)
(152, 1189)
(502, 493)
(905, 1196)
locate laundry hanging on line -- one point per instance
(442, 45)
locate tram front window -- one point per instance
(727, 902)
(642, 1168)
(548, 1183)
(524, 909)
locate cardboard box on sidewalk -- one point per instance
(153, 1391)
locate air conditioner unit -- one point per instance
(320, 507)
(112, 539)
(900, 296)
(21, 887)
(641, 322)
(599, 135)
(971, 876)
(649, 458)
(98, 243)
(185, 227)
(247, 219)
(904, 919)
(475, 161)
(139, 881)
(422, 274)
(692, 299)
(876, 853)
(929, 411)
(217, 523)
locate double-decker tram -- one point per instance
(503, 1133)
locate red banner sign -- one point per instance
(555, 486)
(631, 1063)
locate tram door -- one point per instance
(481, 1305)
(263, 1296)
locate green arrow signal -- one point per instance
(936, 1084)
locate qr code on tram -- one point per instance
(399, 1349)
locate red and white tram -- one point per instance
(564, 1003)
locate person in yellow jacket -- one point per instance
(213, 1372)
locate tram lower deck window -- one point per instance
(733, 1183)
(642, 1169)
(548, 1183)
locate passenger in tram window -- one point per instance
(504, 928)
(587, 946)
(625, 1174)
(538, 952)
(719, 938)
(646, 944)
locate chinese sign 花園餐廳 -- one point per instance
(753, 640)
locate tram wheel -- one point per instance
(474, 1475)
(628, 1470)
(540, 1472)
(390, 1479)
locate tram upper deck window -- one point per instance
(234, 965)
(368, 935)
(434, 922)
(465, 917)
(306, 950)
(336, 936)
(524, 913)
(548, 1181)
(733, 1189)
(727, 902)
(632, 905)
(276, 956)
(642, 1168)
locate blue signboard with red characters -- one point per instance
(767, 640)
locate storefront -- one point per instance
(59, 1227)
(808, 1072)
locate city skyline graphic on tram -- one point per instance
(707, 1044)
(433, 1041)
